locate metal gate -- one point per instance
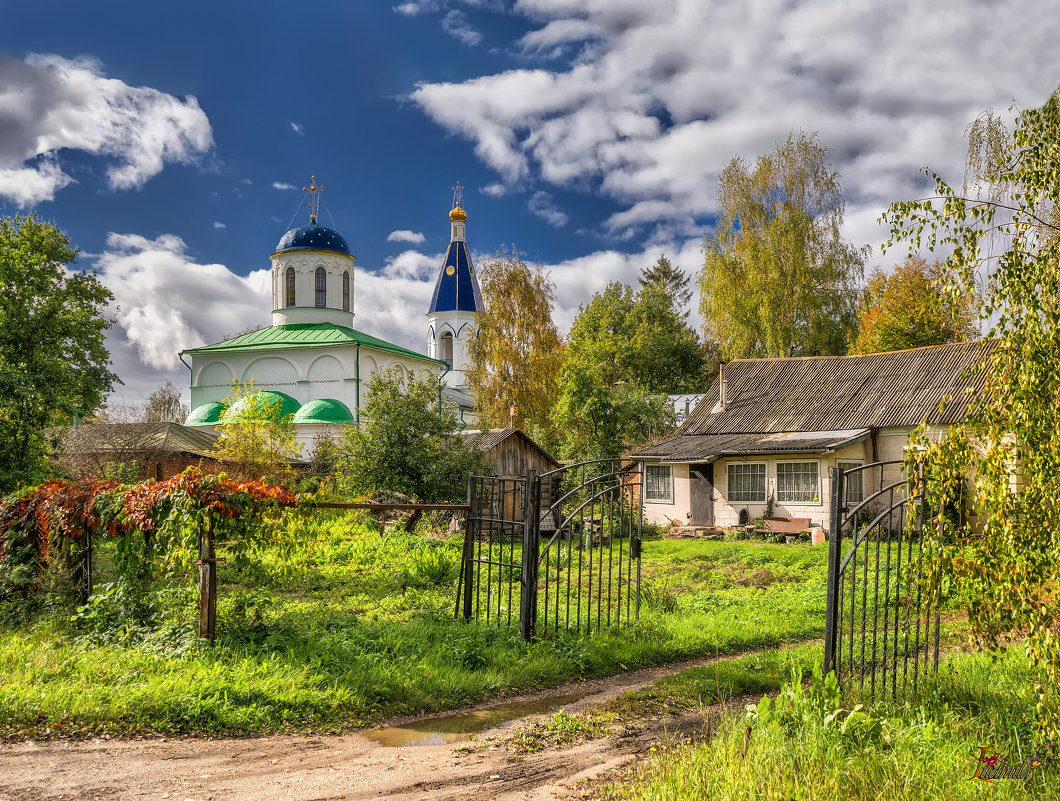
(559, 551)
(882, 613)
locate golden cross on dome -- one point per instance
(313, 199)
(458, 195)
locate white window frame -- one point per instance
(846, 464)
(728, 482)
(669, 498)
(817, 464)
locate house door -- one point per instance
(701, 491)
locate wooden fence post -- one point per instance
(207, 582)
(85, 569)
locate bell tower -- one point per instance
(452, 318)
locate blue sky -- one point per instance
(590, 134)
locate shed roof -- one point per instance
(159, 438)
(830, 393)
(488, 439)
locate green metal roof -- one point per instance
(307, 335)
(263, 400)
(207, 414)
(324, 410)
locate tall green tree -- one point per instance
(1007, 569)
(54, 366)
(673, 281)
(515, 360)
(406, 443)
(908, 309)
(625, 352)
(778, 278)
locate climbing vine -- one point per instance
(154, 527)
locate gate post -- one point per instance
(835, 552)
(207, 582)
(531, 546)
(467, 567)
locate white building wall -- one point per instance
(890, 445)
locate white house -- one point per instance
(311, 359)
(772, 428)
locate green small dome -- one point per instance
(325, 411)
(207, 414)
(263, 400)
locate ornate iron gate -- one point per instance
(882, 613)
(559, 551)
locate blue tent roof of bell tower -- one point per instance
(457, 287)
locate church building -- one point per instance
(311, 360)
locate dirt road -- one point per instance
(334, 767)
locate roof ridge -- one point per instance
(860, 355)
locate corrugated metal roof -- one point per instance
(711, 447)
(307, 335)
(901, 388)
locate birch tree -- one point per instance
(778, 278)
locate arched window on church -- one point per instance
(447, 348)
(290, 287)
(346, 291)
(321, 288)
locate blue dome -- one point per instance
(313, 237)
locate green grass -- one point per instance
(332, 626)
(812, 746)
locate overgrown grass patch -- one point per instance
(335, 625)
(814, 744)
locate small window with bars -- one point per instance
(853, 483)
(747, 482)
(289, 279)
(346, 291)
(321, 288)
(659, 483)
(798, 482)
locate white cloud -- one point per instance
(411, 9)
(494, 190)
(283, 187)
(541, 205)
(49, 103)
(456, 24)
(404, 235)
(298, 129)
(654, 100)
(220, 226)
(166, 302)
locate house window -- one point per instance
(290, 287)
(321, 288)
(659, 483)
(346, 291)
(447, 348)
(747, 482)
(798, 482)
(854, 484)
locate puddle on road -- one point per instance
(454, 728)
